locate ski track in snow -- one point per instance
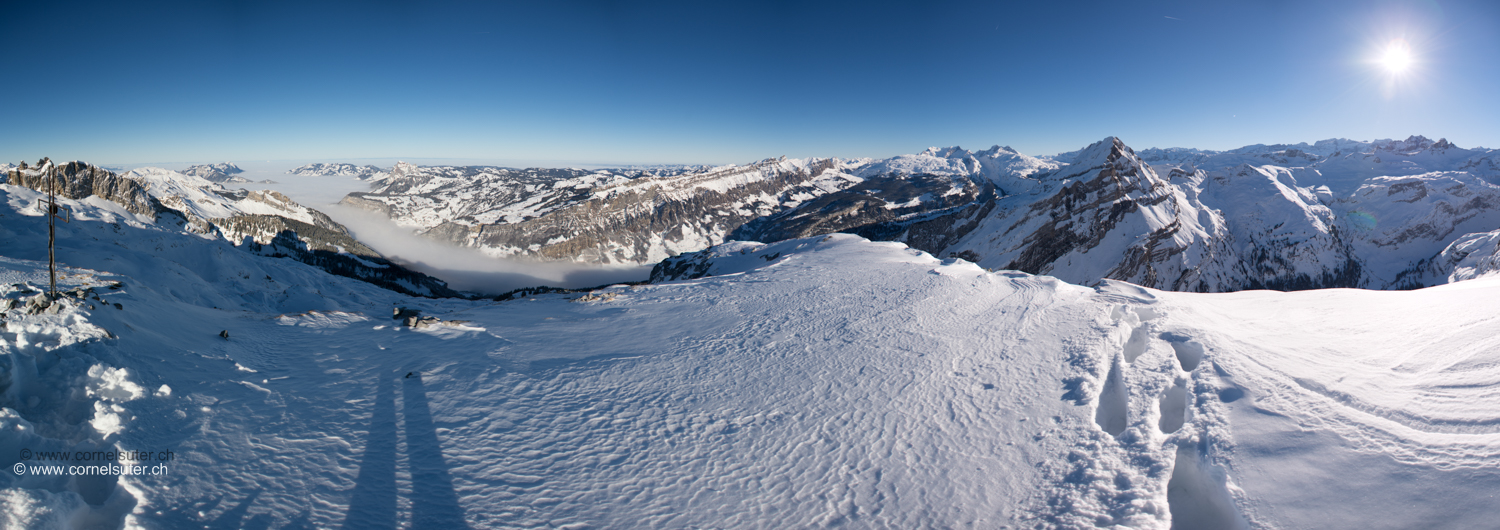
(842, 383)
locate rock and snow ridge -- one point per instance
(264, 221)
(1335, 213)
(1469, 257)
(632, 216)
(811, 382)
(365, 172)
(1222, 224)
(222, 173)
(1376, 215)
(596, 216)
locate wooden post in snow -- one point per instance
(52, 210)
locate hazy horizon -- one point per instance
(387, 162)
(598, 84)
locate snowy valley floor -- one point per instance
(818, 382)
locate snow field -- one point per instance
(828, 381)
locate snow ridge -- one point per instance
(222, 173)
(1334, 213)
(258, 221)
(365, 172)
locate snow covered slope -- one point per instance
(1468, 257)
(258, 221)
(813, 382)
(1373, 215)
(222, 173)
(1343, 163)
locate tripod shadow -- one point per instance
(373, 504)
(434, 503)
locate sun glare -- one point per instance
(1397, 57)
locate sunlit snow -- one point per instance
(829, 381)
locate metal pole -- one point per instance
(52, 233)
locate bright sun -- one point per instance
(1397, 57)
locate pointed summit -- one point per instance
(402, 168)
(1109, 155)
(1104, 152)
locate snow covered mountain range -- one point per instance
(222, 173)
(264, 222)
(1336, 213)
(364, 172)
(815, 382)
(822, 380)
(603, 216)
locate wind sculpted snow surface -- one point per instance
(827, 381)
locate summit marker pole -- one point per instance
(52, 232)
(53, 210)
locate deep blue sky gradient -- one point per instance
(608, 82)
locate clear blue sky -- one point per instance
(722, 82)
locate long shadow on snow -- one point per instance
(373, 503)
(434, 503)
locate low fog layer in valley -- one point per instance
(464, 269)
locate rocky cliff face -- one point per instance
(264, 222)
(1468, 257)
(1105, 215)
(1235, 227)
(1281, 235)
(1401, 225)
(77, 180)
(1193, 220)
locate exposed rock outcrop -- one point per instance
(77, 181)
(202, 207)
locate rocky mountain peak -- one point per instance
(39, 163)
(1411, 145)
(1110, 152)
(947, 152)
(222, 172)
(79, 180)
(1103, 152)
(402, 169)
